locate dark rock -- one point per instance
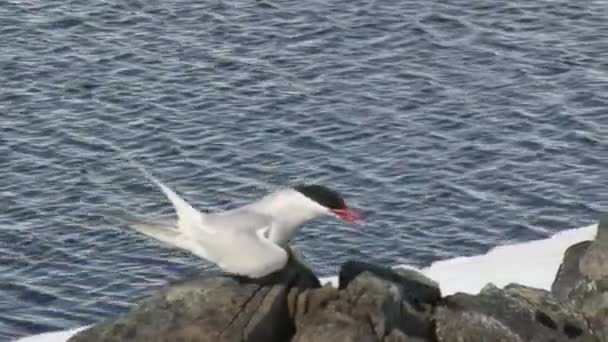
(414, 286)
(300, 303)
(515, 313)
(373, 303)
(418, 294)
(332, 325)
(602, 230)
(223, 308)
(582, 280)
(594, 262)
(298, 271)
(327, 314)
(599, 322)
(398, 336)
(378, 301)
(471, 326)
(569, 275)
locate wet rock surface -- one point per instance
(515, 313)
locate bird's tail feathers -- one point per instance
(165, 233)
(188, 217)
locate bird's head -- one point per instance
(329, 202)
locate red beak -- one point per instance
(348, 215)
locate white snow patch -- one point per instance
(533, 263)
(58, 336)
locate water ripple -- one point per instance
(457, 126)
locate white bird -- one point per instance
(250, 240)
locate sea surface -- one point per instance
(456, 126)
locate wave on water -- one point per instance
(532, 263)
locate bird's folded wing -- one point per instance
(237, 220)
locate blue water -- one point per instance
(455, 126)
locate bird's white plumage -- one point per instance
(246, 241)
(188, 218)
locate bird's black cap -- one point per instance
(322, 195)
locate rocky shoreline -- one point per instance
(372, 303)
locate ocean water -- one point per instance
(455, 126)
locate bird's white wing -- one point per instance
(167, 234)
(247, 252)
(188, 228)
(237, 220)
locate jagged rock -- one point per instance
(211, 309)
(582, 279)
(327, 314)
(470, 326)
(415, 287)
(569, 275)
(372, 304)
(418, 294)
(332, 325)
(515, 313)
(377, 300)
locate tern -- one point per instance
(250, 240)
